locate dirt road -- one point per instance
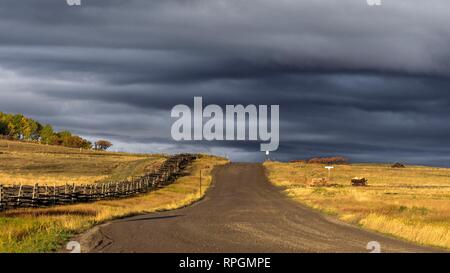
(242, 212)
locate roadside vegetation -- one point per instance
(412, 203)
(46, 230)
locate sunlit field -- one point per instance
(45, 230)
(29, 163)
(411, 203)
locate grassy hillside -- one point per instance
(412, 203)
(45, 230)
(29, 163)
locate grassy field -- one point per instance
(29, 163)
(412, 203)
(45, 230)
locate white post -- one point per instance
(329, 170)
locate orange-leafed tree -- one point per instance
(102, 145)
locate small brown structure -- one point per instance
(359, 181)
(318, 182)
(398, 165)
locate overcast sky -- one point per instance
(370, 83)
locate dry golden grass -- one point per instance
(29, 163)
(412, 203)
(44, 230)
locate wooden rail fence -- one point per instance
(22, 196)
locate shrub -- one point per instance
(298, 161)
(398, 165)
(336, 160)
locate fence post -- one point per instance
(73, 199)
(35, 194)
(200, 183)
(19, 194)
(54, 193)
(66, 192)
(1, 197)
(46, 194)
(88, 192)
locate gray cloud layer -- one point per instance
(371, 83)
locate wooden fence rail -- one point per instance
(23, 196)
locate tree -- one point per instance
(3, 128)
(25, 128)
(20, 127)
(14, 125)
(65, 138)
(103, 145)
(3, 124)
(36, 128)
(47, 134)
(29, 128)
(86, 144)
(77, 142)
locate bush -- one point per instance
(336, 160)
(298, 161)
(398, 165)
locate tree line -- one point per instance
(20, 127)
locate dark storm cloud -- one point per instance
(371, 83)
